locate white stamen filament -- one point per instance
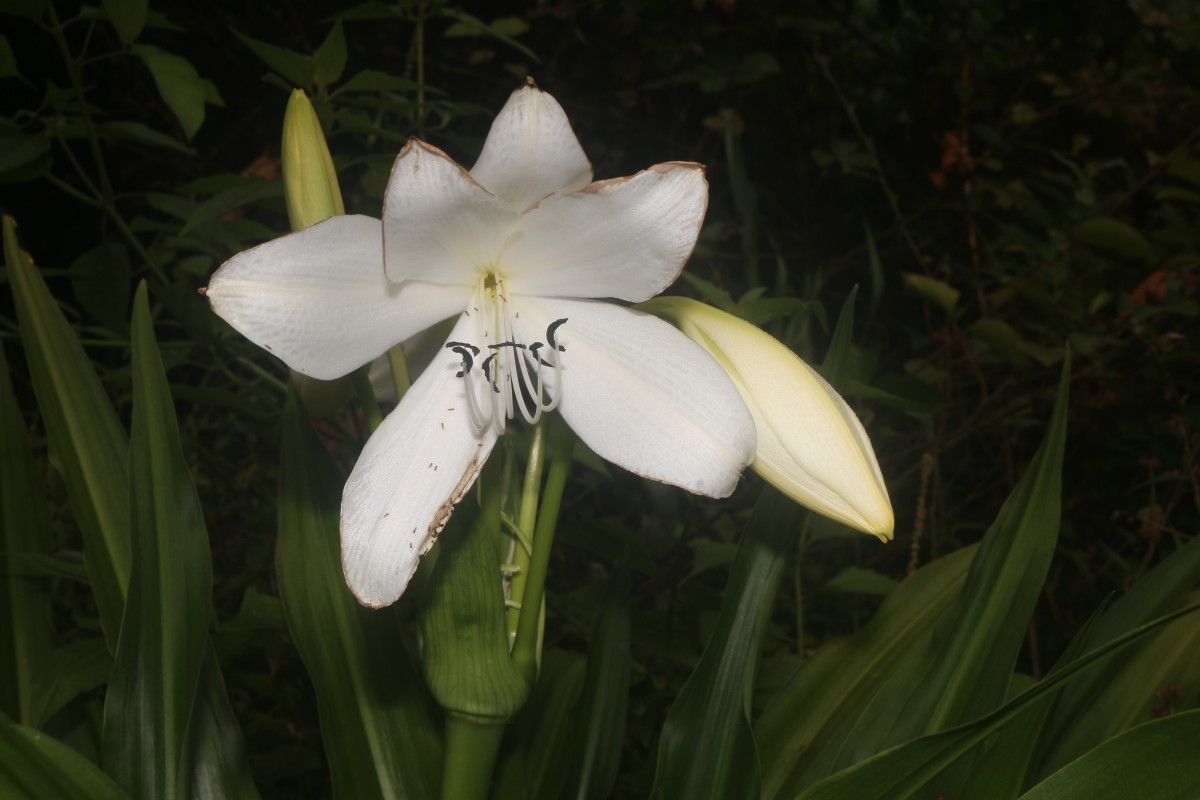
(500, 357)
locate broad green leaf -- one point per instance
(1156, 759)
(378, 726)
(1002, 338)
(932, 290)
(857, 580)
(905, 771)
(295, 68)
(127, 16)
(23, 158)
(178, 84)
(246, 190)
(329, 60)
(73, 668)
(1151, 596)
(807, 724)
(34, 766)
(84, 432)
(156, 668)
(141, 134)
(1006, 766)
(599, 729)
(369, 80)
(1156, 678)
(970, 666)
(216, 749)
(707, 748)
(26, 632)
(502, 29)
(1117, 238)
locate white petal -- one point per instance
(644, 396)
(319, 300)
(439, 225)
(414, 469)
(626, 238)
(531, 151)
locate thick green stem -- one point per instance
(361, 378)
(399, 365)
(525, 648)
(470, 757)
(525, 523)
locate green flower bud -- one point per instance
(309, 183)
(811, 446)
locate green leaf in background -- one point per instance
(295, 68)
(547, 724)
(26, 631)
(100, 278)
(84, 432)
(1157, 759)
(127, 16)
(814, 718)
(156, 668)
(178, 84)
(837, 357)
(599, 729)
(1116, 238)
(857, 580)
(1003, 338)
(34, 766)
(329, 60)
(378, 725)
(73, 668)
(8, 60)
(707, 748)
(216, 749)
(932, 290)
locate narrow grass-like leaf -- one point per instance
(378, 726)
(1157, 759)
(34, 766)
(707, 747)
(600, 730)
(905, 771)
(1152, 595)
(26, 635)
(546, 725)
(156, 668)
(83, 430)
(73, 668)
(805, 726)
(837, 357)
(1156, 678)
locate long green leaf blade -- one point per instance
(707, 748)
(83, 430)
(1157, 759)
(26, 634)
(156, 668)
(34, 766)
(378, 726)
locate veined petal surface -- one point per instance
(439, 224)
(531, 151)
(319, 300)
(644, 396)
(626, 238)
(416, 466)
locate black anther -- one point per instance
(550, 334)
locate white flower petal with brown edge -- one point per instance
(318, 298)
(439, 224)
(414, 469)
(644, 396)
(531, 151)
(626, 238)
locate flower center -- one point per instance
(504, 375)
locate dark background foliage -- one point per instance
(999, 180)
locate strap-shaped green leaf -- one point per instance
(34, 766)
(83, 430)
(707, 748)
(1154, 760)
(26, 635)
(156, 668)
(378, 726)
(600, 727)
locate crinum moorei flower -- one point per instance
(526, 250)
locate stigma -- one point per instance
(503, 376)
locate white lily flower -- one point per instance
(522, 248)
